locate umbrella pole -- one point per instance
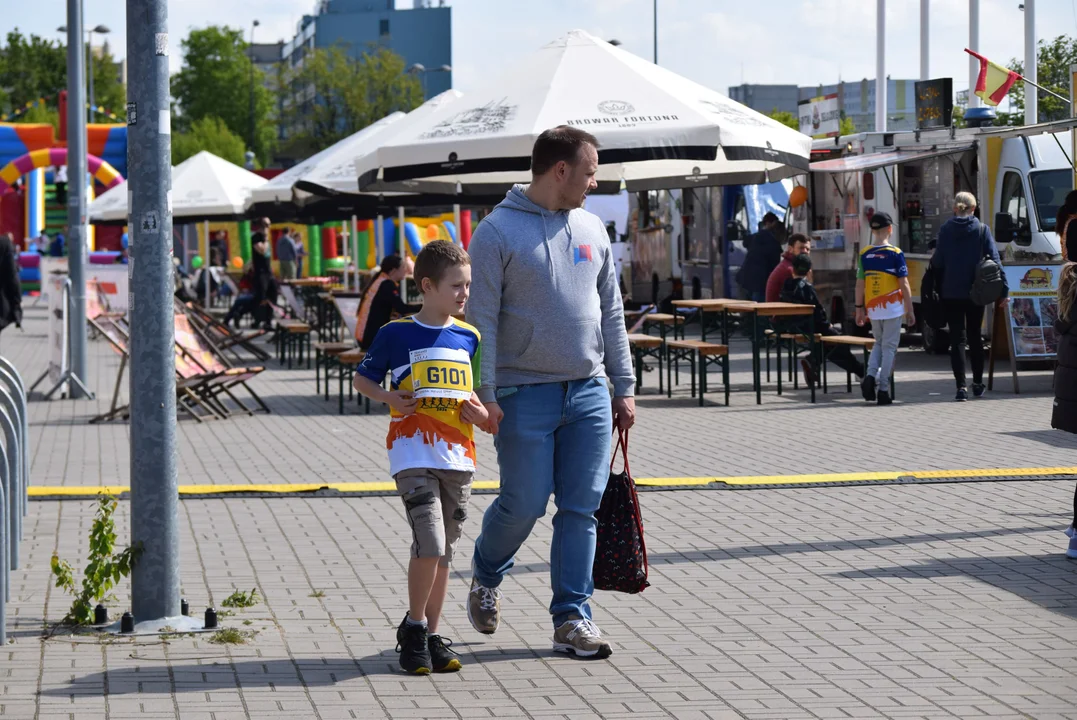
(379, 239)
(456, 224)
(402, 249)
(205, 260)
(355, 252)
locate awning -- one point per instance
(874, 161)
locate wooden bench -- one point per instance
(348, 361)
(644, 346)
(701, 355)
(293, 336)
(865, 343)
(663, 321)
(323, 351)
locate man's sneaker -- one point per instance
(484, 608)
(884, 398)
(867, 387)
(1071, 552)
(581, 637)
(809, 372)
(441, 654)
(413, 647)
(978, 390)
(962, 395)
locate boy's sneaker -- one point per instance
(884, 398)
(443, 657)
(581, 637)
(867, 387)
(962, 395)
(484, 608)
(411, 643)
(978, 390)
(1071, 552)
(809, 371)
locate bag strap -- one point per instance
(622, 445)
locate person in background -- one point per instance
(218, 249)
(798, 289)
(244, 302)
(300, 252)
(124, 256)
(286, 256)
(764, 254)
(263, 284)
(963, 242)
(798, 245)
(883, 296)
(10, 287)
(60, 180)
(56, 247)
(1064, 413)
(380, 300)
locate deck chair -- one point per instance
(212, 377)
(223, 337)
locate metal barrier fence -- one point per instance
(14, 479)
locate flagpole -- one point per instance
(1049, 92)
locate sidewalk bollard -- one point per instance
(185, 608)
(13, 479)
(100, 615)
(127, 623)
(17, 389)
(211, 618)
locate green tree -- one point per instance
(212, 134)
(1053, 60)
(785, 118)
(109, 92)
(30, 68)
(333, 95)
(215, 80)
(847, 127)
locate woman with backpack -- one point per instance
(1064, 416)
(964, 242)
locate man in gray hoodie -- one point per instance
(546, 301)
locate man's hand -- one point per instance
(861, 317)
(473, 412)
(624, 412)
(402, 402)
(493, 420)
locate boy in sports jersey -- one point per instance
(883, 296)
(433, 361)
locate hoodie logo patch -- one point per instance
(582, 253)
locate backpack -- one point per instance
(987, 284)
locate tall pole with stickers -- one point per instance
(155, 583)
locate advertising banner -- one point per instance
(820, 117)
(1033, 309)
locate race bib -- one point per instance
(441, 373)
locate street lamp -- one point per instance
(100, 30)
(254, 24)
(421, 70)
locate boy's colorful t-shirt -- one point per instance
(881, 267)
(439, 366)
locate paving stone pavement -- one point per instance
(304, 440)
(924, 601)
(905, 601)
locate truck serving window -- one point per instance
(1049, 190)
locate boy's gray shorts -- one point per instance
(436, 505)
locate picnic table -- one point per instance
(768, 311)
(712, 306)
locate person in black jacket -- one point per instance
(1064, 414)
(263, 284)
(376, 311)
(764, 254)
(963, 242)
(798, 290)
(10, 287)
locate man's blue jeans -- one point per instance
(555, 438)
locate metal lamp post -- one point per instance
(100, 30)
(421, 70)
(254, 24)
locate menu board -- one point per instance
(1033, 309)
(934, 103)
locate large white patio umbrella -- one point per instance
(656, 128)
(204, 188)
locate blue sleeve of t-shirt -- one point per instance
(377, 362)
(901, 269)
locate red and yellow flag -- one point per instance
(994, 80)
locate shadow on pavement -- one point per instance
(1054, 438)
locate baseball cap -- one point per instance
(880, 220)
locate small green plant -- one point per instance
(248, 622)
(318, 594)
(240, 599)
(104, 568)
(231, 636)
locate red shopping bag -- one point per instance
(620, 553)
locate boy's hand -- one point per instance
(474, 412)
(861, 317)
(910, 316)
(402, 402)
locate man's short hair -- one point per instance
(799, 238)
(559, 144)
(802, 264)
(770, 218)
(436, 258)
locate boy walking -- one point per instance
(433, 360)
(883, 296)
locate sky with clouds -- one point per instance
(718, 43)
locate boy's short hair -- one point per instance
(798, 238)
(802, 264)
(436, 258)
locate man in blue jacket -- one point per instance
(963, 242)
(546, 301)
